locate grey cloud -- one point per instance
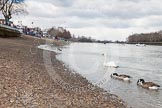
(109, 14)
(63, 3)
(114, 9)
(59, 3)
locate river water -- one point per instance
(139, 62)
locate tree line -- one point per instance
(59, 32)
(146, 37)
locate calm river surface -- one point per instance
(136, 61)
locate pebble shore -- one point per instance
(27, 81)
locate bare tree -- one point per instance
(146, 37)
(53, 32)
(59, 32)
(10, 7)
(2, 4)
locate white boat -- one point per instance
(142, 45)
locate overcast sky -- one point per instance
(100, 19)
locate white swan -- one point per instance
(109, 64)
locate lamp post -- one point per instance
(32, 24)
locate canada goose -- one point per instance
(121, 77)
(148, 85)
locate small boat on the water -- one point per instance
(142, 45)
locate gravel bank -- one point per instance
(25, 80)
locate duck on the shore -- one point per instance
(148, 85)
(109, 64)
(121, 77)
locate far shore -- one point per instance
(27, 81)
(147, 43)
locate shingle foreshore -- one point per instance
(28, 81)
